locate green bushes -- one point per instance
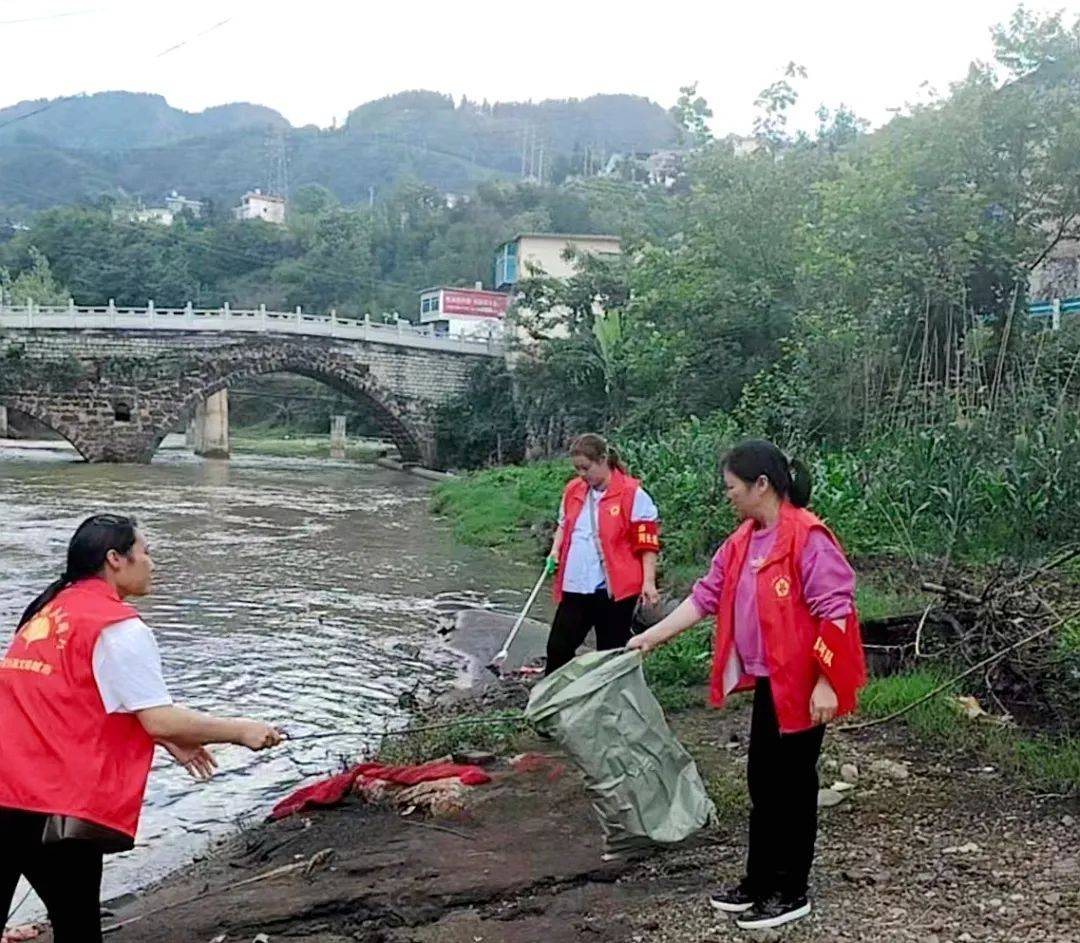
(1045, 763)
(504, 506)
(971, 492)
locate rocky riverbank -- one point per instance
(916, 846)
(921, 848)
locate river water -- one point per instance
(299, 592)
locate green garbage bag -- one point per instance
(644, 786)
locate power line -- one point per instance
(37, 111)
(49, 16)
(192, 39)
(58, 101)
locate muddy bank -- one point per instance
(921, 849)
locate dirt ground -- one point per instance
(924, 848)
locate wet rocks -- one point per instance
(890, 769)
(826, 798)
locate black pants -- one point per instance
(66, 876)
(783, 780)
(579, 612)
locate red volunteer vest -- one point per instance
(622, 562)
(799, 647)
(60, 752)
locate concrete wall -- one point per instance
(1058, 276)
(546, 252)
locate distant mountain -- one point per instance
(118, 121)
(126, 144)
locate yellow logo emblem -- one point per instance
(614, 512)
(782, 587)
(47, 622)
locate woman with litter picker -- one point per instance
(82, 704)
(604, 552)
(782, 593)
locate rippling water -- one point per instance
(296, 592)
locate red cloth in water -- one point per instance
(331, 791)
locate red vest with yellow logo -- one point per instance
(799, 647)
(60, 752)
(622, 541)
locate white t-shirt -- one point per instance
(584, 569)
(127, 668)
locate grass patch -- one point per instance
(1069, 637)
(875, 601)
(1044, 763)
(491, 732)
(674, 670)
(302, 447)
(727, 789)
(504, 507)
(935, 718)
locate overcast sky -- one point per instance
(315, 60)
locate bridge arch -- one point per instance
(70, 432)
(115, 391)
(344, 374)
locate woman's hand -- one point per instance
(650, 595)
(255, 735)
(823, 702)
(197, 760)
(685, 615)
(645, 642)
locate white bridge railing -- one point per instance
(226, 319)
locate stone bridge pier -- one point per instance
(115, 394)
(208, 429)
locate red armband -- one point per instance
(839, 655)
(645, 536)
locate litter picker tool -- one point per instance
(496, 663)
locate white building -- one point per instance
(545, 253)
(264, 206)
(151, 214)
(464, 312)
(177, 204)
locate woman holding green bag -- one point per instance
(782, 593)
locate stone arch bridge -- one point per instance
(114, 382)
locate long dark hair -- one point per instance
(597, 449)
(790, 478)
(86, 555)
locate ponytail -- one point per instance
(86, 555)
(614, 459)
(756, 458)
(801, 483)
(43, 600)
(597, 449)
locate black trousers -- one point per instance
(783, 780)
(66, 876)
(579, 612)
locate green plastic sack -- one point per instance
(645, 787)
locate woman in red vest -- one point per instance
(782, 593)
(82, 704)
(604, 552)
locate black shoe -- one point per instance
(774, 912)
(735, 899)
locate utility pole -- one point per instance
(277, 160)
